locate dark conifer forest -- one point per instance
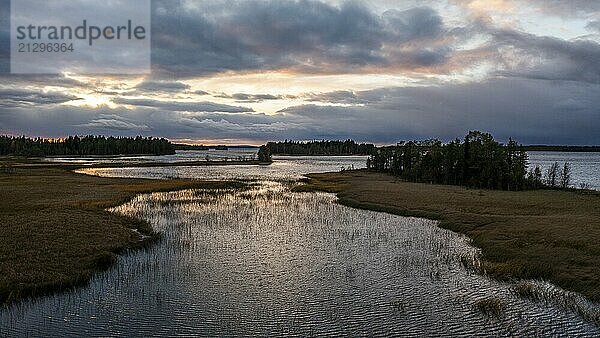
(86, 145)
(332, 148)
(477, 161)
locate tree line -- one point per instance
(331, 148)
(576, 149)
(180, 146)
(86, 145)
(477, 161)
(554, 176)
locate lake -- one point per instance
(585, 166)
(266, 261)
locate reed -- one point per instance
(538, 234)
(491, 306)
(55, 231)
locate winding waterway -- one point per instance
(266, 261)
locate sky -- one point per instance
(381, 71)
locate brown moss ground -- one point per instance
(54, 230)
(548, 234)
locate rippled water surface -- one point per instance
(266, 261)
(284, 168)
(585, 166)
(180, 156)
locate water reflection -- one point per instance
(284, 168)
(585, 166)
(231, 154)
(270, 262)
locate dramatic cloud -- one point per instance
(30, 98)
(161, 86)
(183, 106)
(379, 71)
(113, 122)
(339, 96)
(241, 97)
(4, 37)
(547, 57)
(594, 25)
(307, 35)
(552, 7)
(562, 7)
(69, 120)
(532, 111)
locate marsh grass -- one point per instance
(249, 260)
(527, 290)
(544, 292)
(491, 306)
(55, 231)
(540, 234)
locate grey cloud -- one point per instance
(55, 122)
(113, 122)
(162, 86)
(59, 80)
(566, 7)
(4, 37)
(182, 106)
(309, 35)
(253, 98)
(593, 25)
(415, 23)
(339, 96)
(29, 98)
(531, 111)
(577, 60)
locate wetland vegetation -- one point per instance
(59, 228)
(265, 261)
(55, 232)
(534, 234)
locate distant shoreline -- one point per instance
(565, 149)
(174, 164)
(35, 163)
(321, 155)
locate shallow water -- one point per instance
(585, 166)
(181, 156)
(270, 262)
(284, 168)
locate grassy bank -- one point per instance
(547, 234)
(54, 230)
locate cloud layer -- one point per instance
(431, 71)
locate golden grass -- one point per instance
(54, 230)
(491, 306)
(527, 290)
(549, 234)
